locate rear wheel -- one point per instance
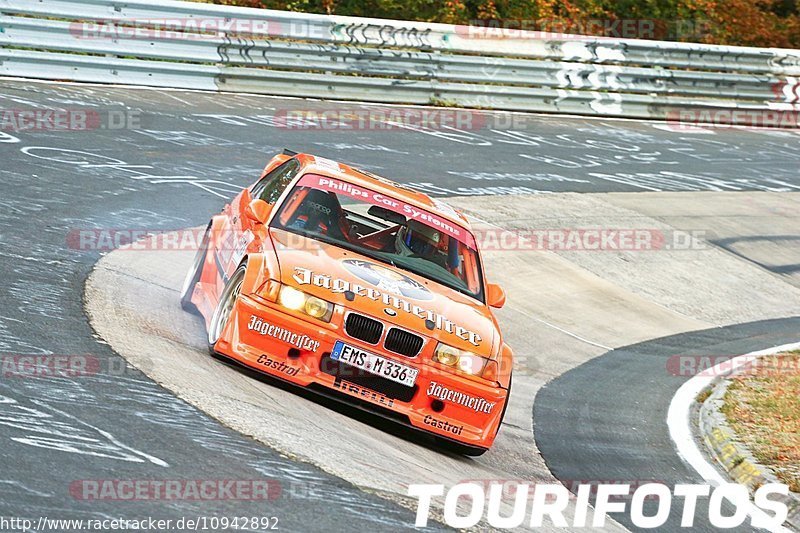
(194, 274)
(222, 314)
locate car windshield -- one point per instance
(383, 228)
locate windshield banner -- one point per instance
(409, 211)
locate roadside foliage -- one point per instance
(770, 23)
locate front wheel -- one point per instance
(225, 306)
(505, 405)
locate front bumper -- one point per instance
(265, 337)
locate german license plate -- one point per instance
(374, 364)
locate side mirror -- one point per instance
(258, 211)
(495, 295)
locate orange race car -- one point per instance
(360, 289)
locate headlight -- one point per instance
(462, 360)
(296, 300)
(316, 307)
(291, 298)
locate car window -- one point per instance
(270, 187)
(384, 228)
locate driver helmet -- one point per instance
(418, 239)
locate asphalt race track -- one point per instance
(585, 321)
(577, 415)
(116, 423)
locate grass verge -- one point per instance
(762, 406)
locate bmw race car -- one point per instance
(360, 289)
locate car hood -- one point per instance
(378, 289)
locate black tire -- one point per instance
(460, 449)
(222, 313)
(194, 274)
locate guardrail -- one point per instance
(167, 43)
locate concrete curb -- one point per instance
(732, 455)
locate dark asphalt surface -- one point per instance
(606, 420)
(116, 424)
(179, 156)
